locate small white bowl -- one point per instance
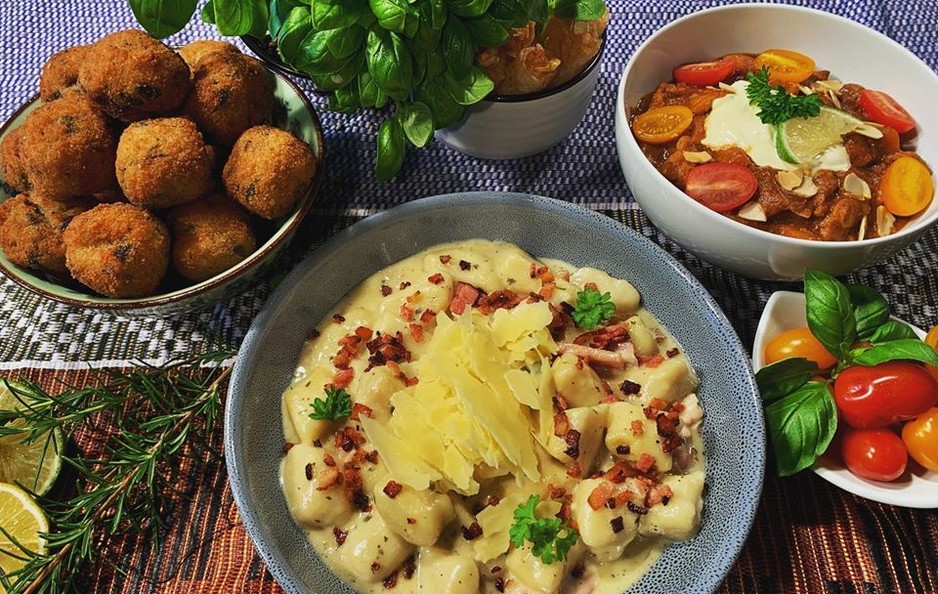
(852, 52)
(515, 126)
(917, 488)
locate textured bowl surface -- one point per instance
(733, 427)
(918, 487)
(852, 52)
(293, 112)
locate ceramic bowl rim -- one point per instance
(634, 152)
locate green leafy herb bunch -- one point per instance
(415, 55)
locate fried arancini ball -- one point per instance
(68, 148)
(31, 227)
(12, 165)
(60, 74)
(210, 236)
(230, 93)
(117, 250)
(132, 76)
(193, 52)
(163, 162)
(268, 170)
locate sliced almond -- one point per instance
(870, 131)
(805, 90)
(855, 186)
(752, 211)
(790, 180)
(697, 157)
(807, 188)
(726, 87)
(831, 84)
(884, 221)
(862, 233)
(835, 100)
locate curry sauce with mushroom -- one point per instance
(472, 419)
(774, 143)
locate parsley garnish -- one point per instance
(592, 308)
(776, 105)
(542, 533)
(337, 405)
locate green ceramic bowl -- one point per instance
(292, 112)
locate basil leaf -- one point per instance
(435, 64)
(801, 427)
(297, 26)
(468, 8)
(315, 56)
(892, 330)
(162, 18)
(346, 99)
(337, 14)
(390, 149)
(350, 41)
(437, 13)
(486, 31)
(471, 89)
(433, 92)
(333, 81)
(784, 377)
(394, 15)
(911, 349)
(278, 12)
(240, 17)
(417, 122)
(390, 63)
(458, 50)
(580, 10)
(207, 14)
(369, 92)
(870, 309)
(514, 13)
(539, 11)
(829, 312)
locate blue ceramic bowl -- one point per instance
(733, 427)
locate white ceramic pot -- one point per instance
(852, 52)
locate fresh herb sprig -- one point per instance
(776, 105)
(853, 323)
(157, 411)
(592, 308)
(550, 538)
(337, 405)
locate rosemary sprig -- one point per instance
(151, 414)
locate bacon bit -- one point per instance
(313, 334)
(416, 331)
(340, 535)
(427, 316)
(556, 491)
(561, 424)
(364, 333)
(547, 290)
(372, 456)
(343, 378)
(591, 286)
(532, 270)
(593, 356)
(605, 338)
(622, 498)
(411, 521)
(673, 352)
(650, 412)
(464, 266)
(445, 259)
(409, 568)
(471, 532)
(565, 514)
(390, 582)
(578, 571)
(385, 348)
(659, 494)
(287, 446)
(623, 450)
(348, 439)
(618, 525)
(436, 279)
(413, 297)
(560, 403)
(375, 567)
(411, 381)
(572, 439)
(492, 500)
(386, 290)
(637, 509)
(407, 312)
(464, 296)
(619, 472)
(603, 492)
(645, 462)
(559, 323)
(638, 427)
(574, 470)
(327, 459)
(404, 285)
(677, 407)
(338, 318)
(652, 362)
(392, 489)
(659, 404)
(309, 472)
(342, 359)
(495, 300)
(359, 410)
(328, 477)
(629, 388)
(500, 584)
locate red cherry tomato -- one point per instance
(883, 109)
(799, 342)
(721, 186)
(884, 394)
(920, 436)
(875, 454)
(703, 74)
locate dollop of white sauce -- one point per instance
(733, 121)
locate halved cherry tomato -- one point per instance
(785, 66)
(702, 74)
(662, 124)
(906, 188)
(875, 454)
(721, 186)
(883, 109)
(878, 396)
(920, 436)
(931, 339)
(798, 342)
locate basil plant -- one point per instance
(417, 55)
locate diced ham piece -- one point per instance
(464, 296)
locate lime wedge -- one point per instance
(33, 465)
(23, 521)
(801, 140)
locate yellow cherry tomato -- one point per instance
(785, 66)
(931, 339)
(798, 342)
(906, 188)
(920, 436)
(662, 124)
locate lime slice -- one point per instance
(23, 520)
(33, 465)
(801, 140)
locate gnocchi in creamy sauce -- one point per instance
(470, 390)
